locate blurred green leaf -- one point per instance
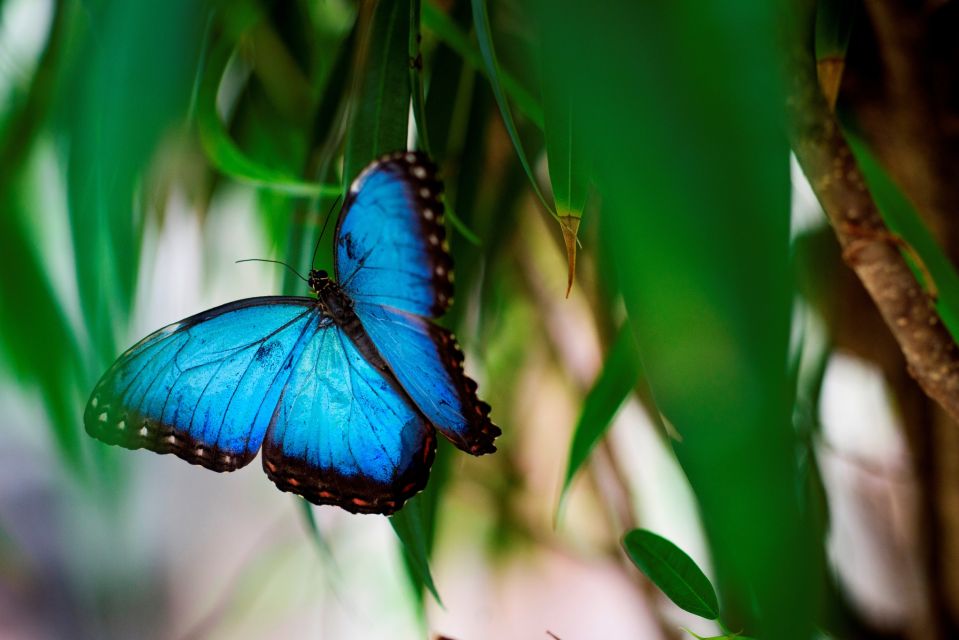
(904, 220)
(834, 20)
(569, 171)
(118, 108)
(620, 372)
(691, 160)
(673, 572)
(378, 126)
(485, 37)
(382, 105)
(307, 510)
(412, 525)
(454, 37)
(224, 153)
(36, 338)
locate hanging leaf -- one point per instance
(833, 27)
(569, 168)
(119, 108)
(224, 153)
(412, 525)
(931, 266)
(674, 572)
(614, 384)
(382, 105)
(456, 39)
(485, 38)
(378, 126)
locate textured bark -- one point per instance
(868, 247)
(901, 85)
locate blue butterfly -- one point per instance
(344, 392)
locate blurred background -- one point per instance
(648, 293)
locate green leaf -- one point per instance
(36, 340)
(322, 545)
(673, 572)
(834, 20)
(485, 37)
(413, 527)
(569, 170)
(382, 104)
(416, 78)
(684, 128)
(450, 34)
(115, 112)
(614, 384)
(903, 219)
(224, 153)
(379, 125)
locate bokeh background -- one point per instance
(714, 373)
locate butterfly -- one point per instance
(343, 392)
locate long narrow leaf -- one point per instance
(412, 525)
(223, 151)
(485, 38)
(120, 105)
(920, 248)
(612, 387)
(454, 37)
(381, 117)
(379, 125)
(569, 167)
(416, 77)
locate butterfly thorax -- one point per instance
(337, 306)
(333, 301)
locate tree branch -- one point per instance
(868, 246)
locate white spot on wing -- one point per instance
(428, 214)
(419, 172)
(103, 417)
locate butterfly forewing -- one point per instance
(390, 239)
(204, 388)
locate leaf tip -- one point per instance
(570, 226)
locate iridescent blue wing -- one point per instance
(343, 434)
(429, 364)
(390, 239)
(204, 388)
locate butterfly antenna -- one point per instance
(275, 262)
(323, 230)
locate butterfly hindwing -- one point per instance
(203, 388)
(429, 364)
(390, 238)
(343, 434)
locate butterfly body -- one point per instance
(343, 392)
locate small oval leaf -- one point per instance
(674, 572)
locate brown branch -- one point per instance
(827, 161)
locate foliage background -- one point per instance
(715, 374)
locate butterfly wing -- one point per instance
(343, 434)
(206, 387)
(429, 364)
(390, 238)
